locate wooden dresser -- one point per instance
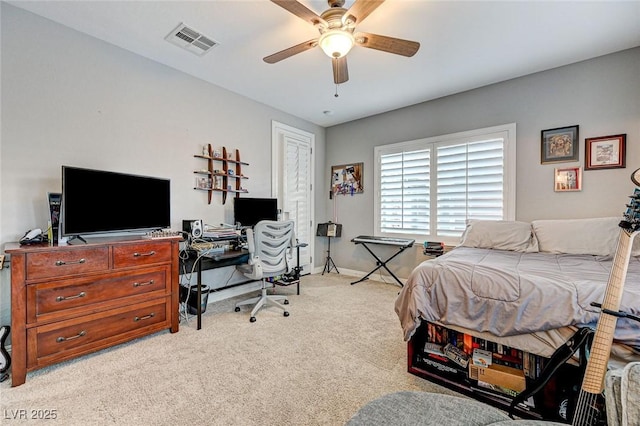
(68, 301)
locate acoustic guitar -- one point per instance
(588, 410)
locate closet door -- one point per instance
(293, 184)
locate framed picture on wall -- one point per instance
(346, 179)
(605, 152)
(567, 179)
(559, 145)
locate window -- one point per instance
(428, 188)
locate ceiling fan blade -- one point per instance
(300, 11)
(387, 44)
(293, 50)
(361, 9)
(340, 71)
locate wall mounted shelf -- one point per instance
(223, 173)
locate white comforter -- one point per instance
(508, 293)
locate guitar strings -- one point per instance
(586, 413)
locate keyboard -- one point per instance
(404, 242)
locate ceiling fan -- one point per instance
(336, 26)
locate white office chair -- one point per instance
(270, 254)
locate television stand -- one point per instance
(68, 301)
(76, 237)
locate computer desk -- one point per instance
(220, 260)
(213, 261)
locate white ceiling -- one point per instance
(464, 45)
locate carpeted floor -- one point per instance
(340, 348)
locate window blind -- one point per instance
(404, 192)
(430, 187)
(470, 184)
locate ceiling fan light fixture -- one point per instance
(336, 43)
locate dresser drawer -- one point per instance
(61, 262)
(70, 338)
(69, 301)
(138, 254)
(56, 300)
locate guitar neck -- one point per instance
(593, 381)
(587, 412)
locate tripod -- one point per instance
(329, 264)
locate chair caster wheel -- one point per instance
(237, 308)
(286, 301)
(252, 319)
(286, 314)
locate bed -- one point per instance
(527, 285)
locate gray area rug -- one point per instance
(408, 408)
(340, 348)
(427, 409)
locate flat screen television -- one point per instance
(98, 202)
(249, 211)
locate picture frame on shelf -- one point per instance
(605, 152)
(203, 183)
(567, 179)
(217, 182)
(559, 145)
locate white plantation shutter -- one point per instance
(296, 191)
(427, 189)
(404, 190)
(470, 184)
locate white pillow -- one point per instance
(499, 235)
(597, 236)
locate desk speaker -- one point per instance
(193, 227)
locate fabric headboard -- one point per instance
(595, 236)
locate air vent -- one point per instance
(191, 40)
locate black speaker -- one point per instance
(329, 229)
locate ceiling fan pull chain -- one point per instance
(336, 95)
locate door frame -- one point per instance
(278, 132)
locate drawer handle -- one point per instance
(150, 282)
(151, 253)
(61, 298)
(64, 339)
(151, 315)
(62, 262)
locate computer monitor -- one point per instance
(249, 211)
